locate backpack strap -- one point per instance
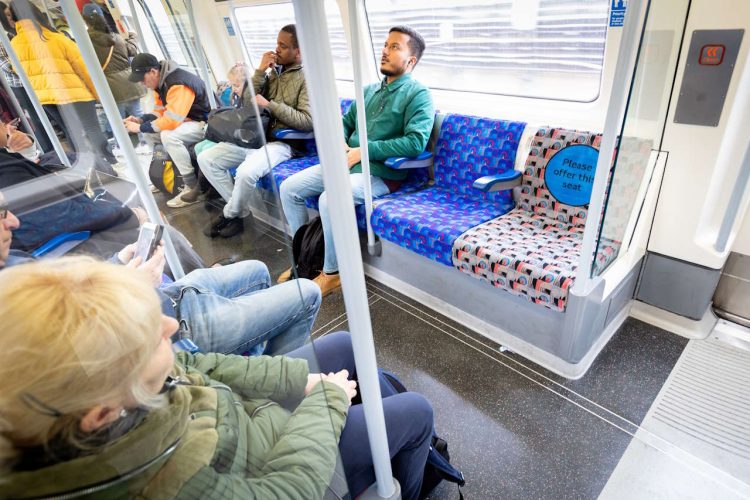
(109, 58)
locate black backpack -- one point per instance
(308, 249)
(438, 466)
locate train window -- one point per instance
(259, 26)
(152, 43)
(547, 49)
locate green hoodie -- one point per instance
(235, 427)
(399, 115)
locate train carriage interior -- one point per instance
(562, 271)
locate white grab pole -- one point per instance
(38, 109)
(137, 25)
(354, 25)
(198, 47)
(618, 101)
(312, 30)
(118, 128)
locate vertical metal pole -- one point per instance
(118, 128)
(19, 110)
(198, 47)
(623, 78)
(38, 109)
(354, 20)
(319, 76)
(137, 24)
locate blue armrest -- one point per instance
(290, 133)
(424, 159)
(499, 182)
(61, 244)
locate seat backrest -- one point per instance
(470, 147)
(532, 195)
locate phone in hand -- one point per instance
(148, 240)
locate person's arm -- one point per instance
(297, 118)
(301, 463)
(420, 116)
(278, 378)
(131, 44)
(180, 99)
(350, 121)
(76, 62)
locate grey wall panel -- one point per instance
(708, 71)
(677, 286)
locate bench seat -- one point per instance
(429, 221)
(533, 251)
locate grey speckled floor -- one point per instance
(514, 429)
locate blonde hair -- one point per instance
(76, 333)
(237, 71)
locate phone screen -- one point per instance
(148, 239)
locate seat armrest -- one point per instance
(61, 244)
(499, 182)
(290, 133)
(424, 159)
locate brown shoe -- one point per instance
(192, 195)
(328, 283)
(285, 276)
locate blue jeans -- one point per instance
(232, 309)
(309, 182)
(408, 422)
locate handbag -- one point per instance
(239, 125)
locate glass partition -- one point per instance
(141, 185)
(642, 130)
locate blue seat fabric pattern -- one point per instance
(429, 221)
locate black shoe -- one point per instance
(213, 229)
(232, 227)
(226, 261)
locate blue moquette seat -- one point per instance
(430, 220)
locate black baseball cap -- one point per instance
(140, 64)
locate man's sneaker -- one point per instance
(232, 227)
(328, 283)
(216, 225)
(285, 276)
(180, 201)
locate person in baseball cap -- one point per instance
(142, 64)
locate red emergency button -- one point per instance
(711, 55)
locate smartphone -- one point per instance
(148, 240)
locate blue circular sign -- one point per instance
(569, 175)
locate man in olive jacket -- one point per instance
(286, 99)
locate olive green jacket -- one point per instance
(118, 67)
(287, 95)
(235, 427)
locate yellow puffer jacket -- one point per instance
(54, 66)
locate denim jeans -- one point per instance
(309, 182)
(408, 422)
(232, 309)
(176, 143)
(252, 164)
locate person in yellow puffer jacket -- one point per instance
(60, 79)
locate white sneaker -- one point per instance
(178, 202)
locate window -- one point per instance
(545, 48)
(260, 24)
(151, 42)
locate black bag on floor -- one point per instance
(308, 249)
(163, 172)
(438, 466)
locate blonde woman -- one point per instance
(93, 401)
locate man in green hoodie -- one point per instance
(400, 116)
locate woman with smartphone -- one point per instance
(60, 79)
(99, 405)
(15, 84)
